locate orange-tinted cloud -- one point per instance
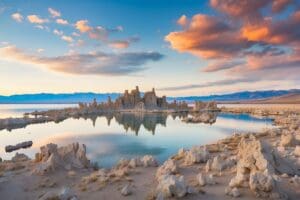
(253, 39)
(82, 26)
(240, 8)
(208, 37)
(182, 21)
(36, 19)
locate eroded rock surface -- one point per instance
(67, 157)
(196, 155)
(172, 186)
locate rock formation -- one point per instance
(72, 156)
(134, 101)
(257, 168)
(22, 145)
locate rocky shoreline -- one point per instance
(262, 165)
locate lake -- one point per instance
(110, 138)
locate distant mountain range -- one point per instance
(68, 98)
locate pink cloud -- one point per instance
(36, 19)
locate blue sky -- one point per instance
(110, 45)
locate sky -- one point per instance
(179, 47)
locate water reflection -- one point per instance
(111, 137)
(134, 121)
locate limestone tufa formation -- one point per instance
(134, 101)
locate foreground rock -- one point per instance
(169, 167)
(172, 186)
(22, 145)
(196, 155)
(257, 164)
(68, 157)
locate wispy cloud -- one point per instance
(67, 38)
(100, 63)
(62, 21)
(17, 17)
(58, 32)
(208, 84)
(54, 13)
(122, 44)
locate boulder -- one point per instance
(196, 155)
(169, 167)
(203, 179)
(126, 190)
(219, 163)
(72, 156)
(149, 161)
(261, 183)
(172, 186)
(20, 157)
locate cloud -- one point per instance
(183, 21)
(82, 26)
(208, 84)
(243, 38)
(222, 65)
(67, 38)
(102, 34)
(98, 33)
(36, 19)
(119, 44)
(240, 8)
(208, 37)
(100, 63)
(122, 44)
(17, 17)
(62, 21)
(58, 32)
(42, 27)
(75, 34)
(54, 13)
(279, 5)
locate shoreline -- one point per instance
(201, 172)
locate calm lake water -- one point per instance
(111, 138)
